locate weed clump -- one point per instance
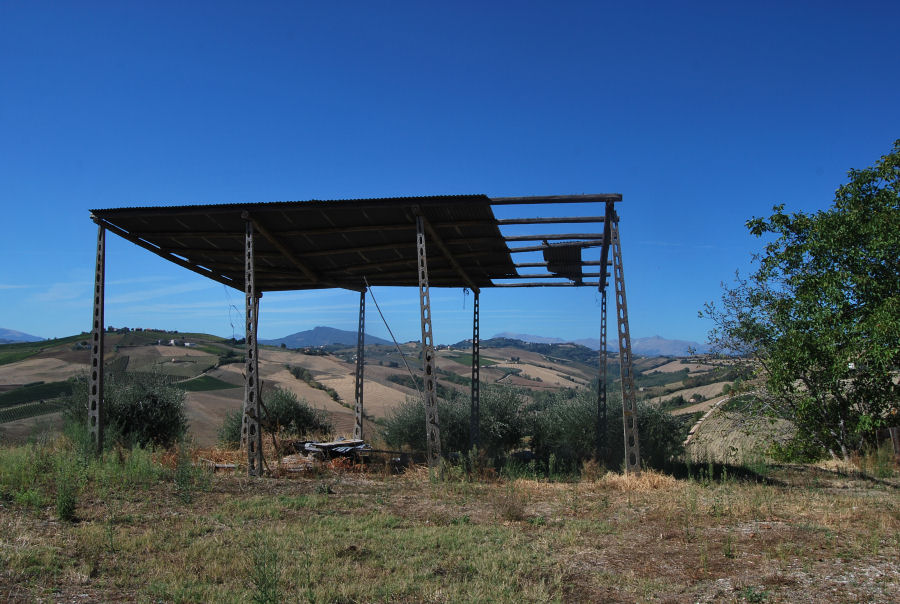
(265, 571)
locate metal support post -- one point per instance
(251, 436)
(629, 410)
(602, 382)
(96, 415)
(432, 425)
(360, 365)
(475, 411)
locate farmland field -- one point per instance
(140, 533)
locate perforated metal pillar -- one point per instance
(629, 409)
(432, 425)
(475, 411)
(602, 382)
(251, 436)
(95, 396)
(360, 365)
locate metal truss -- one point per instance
(95, 397)
(602, 382)
(360, 365)
(432, 425)
(629, 410)
(251, 435)
(475, 410)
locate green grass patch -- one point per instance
(11, 414)
(465, 358)
(205, 383)
(659, 378)
(183, 366)
(19, 351)
(35, 392)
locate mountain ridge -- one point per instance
(322, 336)
(651, 346)
(11, 336)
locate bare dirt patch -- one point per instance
(709, 391)
(730, 437)
(21, 430)
(704, 406)
(676, 366)
(40, 370)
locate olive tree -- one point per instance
(821, 312)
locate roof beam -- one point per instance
(539, 248)
(603, 197)
(547, 276)
(604, 254)
(287, 253)
(436, 239)
(311, 275)
(548, 284)
(557, 220)
(540, 264)
(167, 255)
(559, 237)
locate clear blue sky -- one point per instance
(701, 114)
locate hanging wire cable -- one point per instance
(231, 307)
(396, 345)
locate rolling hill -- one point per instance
(9, 336)
(652, 346)
(322, 336)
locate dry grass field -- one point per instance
(144, 527)
(142, 533)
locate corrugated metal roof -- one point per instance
(315, 244)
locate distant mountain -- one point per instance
(658, 346)
(9, 336)
(526, 337)
(648, 347)
(592, 343)
(322, 336)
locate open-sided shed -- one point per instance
(438, 241)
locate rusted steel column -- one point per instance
(475, 410)
(432, 425)
(602, 382)
(360, 365)
(251, 436)
(96, 415)
(629, 408)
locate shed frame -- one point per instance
(355, 244)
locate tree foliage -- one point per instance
(821, 313)
(561, 425)
(502, 424)
(141, 409)
(283, 412)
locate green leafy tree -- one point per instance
(821, 314)
(143, 409)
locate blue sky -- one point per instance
(701, 114)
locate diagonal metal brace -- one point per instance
(436, 239)
(432, 425)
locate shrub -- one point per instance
(502, 424)
(230, 432)
(283, 411)
(142, 409)
(566, 429)
(292, 414)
